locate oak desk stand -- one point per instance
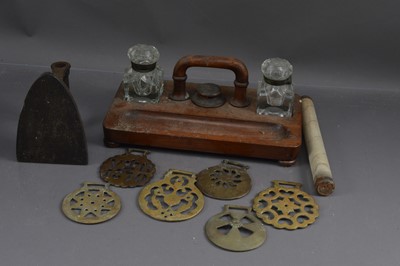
(181, 124)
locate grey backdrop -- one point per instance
(345, 56)
(331, 43)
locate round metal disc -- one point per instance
(208, 95)
(174, 198)
(93, 203)
(234, 230)
(226, 181)
(209, 90)
(128, 170)
(286, 207)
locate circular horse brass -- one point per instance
(286, 208)
(226, 181)
(93, 203)
(128, 169)
(234, 230)
(174, 198)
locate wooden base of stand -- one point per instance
(224, 130)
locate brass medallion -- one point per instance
(226, 181)
(128, 169)
(174, 198)
(236, 229)
(286, 207)
(91, 204)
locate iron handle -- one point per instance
(241, 82)
(60, 70)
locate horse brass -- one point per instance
(286, 207)
(234, 230)
(174, 198)
(226, 181)
(93, 203)
(128, 169)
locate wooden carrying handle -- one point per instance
(317, 157)
(241, 82)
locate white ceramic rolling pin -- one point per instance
(317, 157)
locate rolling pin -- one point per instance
(319, 164)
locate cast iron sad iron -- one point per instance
(50, 129)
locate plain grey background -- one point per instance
(330, 43)
(345, 56)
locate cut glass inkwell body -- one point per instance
(275, 93)
(143, 81)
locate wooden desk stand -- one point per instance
(183, 125)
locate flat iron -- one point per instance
(50, 129)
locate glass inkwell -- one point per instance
(143, 81)
(275, 94)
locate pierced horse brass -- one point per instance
(128, 169)
(234, 230)
(93, 203)
(226, 181)
(174, 198)
(286, 208)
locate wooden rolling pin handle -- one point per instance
(317, 157)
